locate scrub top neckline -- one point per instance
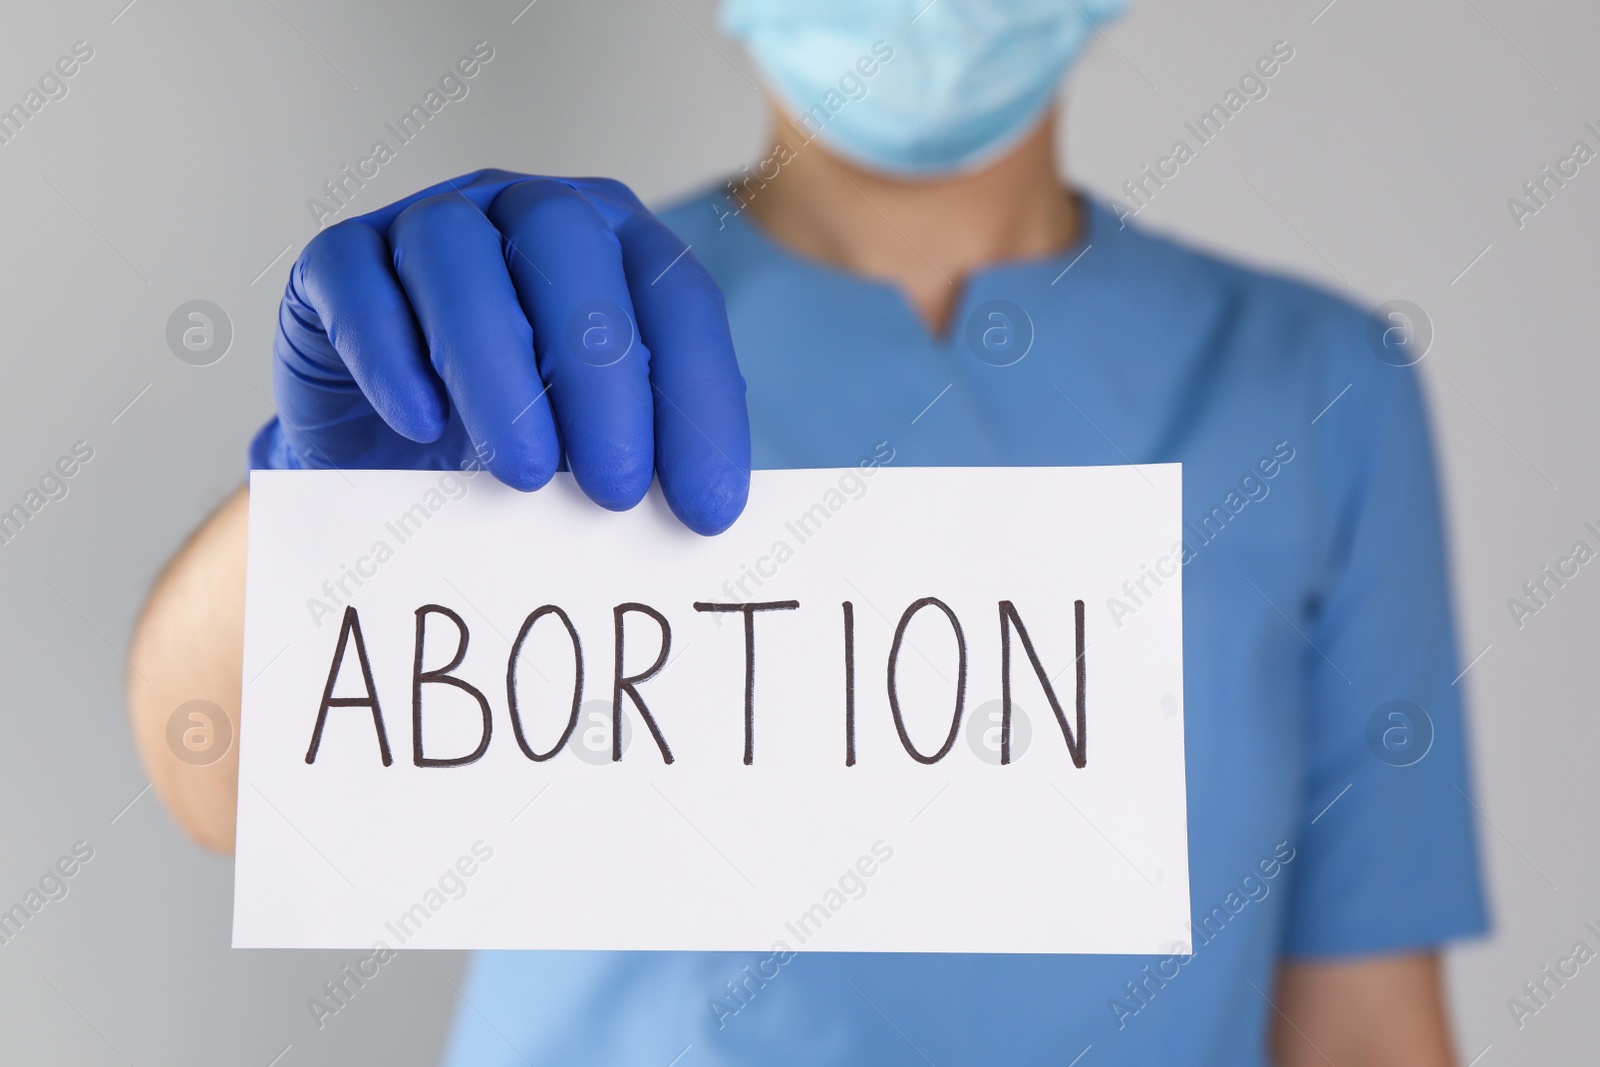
(1094, 219)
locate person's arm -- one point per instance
(1385, 867)
(1380, 1011)
(189, 645)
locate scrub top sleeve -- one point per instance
(1387, 857)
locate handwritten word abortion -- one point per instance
(633, 623)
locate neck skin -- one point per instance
(923, 236)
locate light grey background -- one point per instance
(179, 165)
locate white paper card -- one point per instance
(749, 838)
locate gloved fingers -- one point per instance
(448, 257)
(480, 187)
(702, 428)
(613, 199)
(567, 269)
(345, 311)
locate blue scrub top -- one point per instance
(1325, 818)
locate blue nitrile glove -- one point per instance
(493, 317)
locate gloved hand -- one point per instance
(508, 318)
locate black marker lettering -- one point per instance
(419, 678)
(849, 684)
(351, 626)
(626, 684)
(749, 612)
(961, 679)
(577, 681)
(1076, 743)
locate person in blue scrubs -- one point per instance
(904, 274)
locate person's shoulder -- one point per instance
(1275, 322)
(1271, 296)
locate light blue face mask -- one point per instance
(915, 87)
